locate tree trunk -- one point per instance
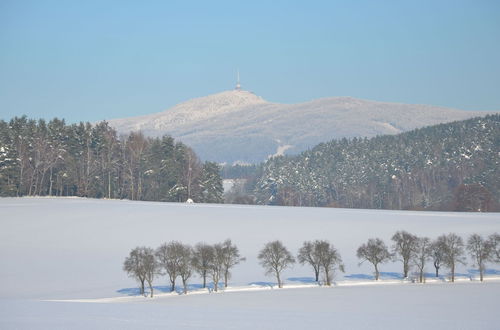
(50, 187)
(204, 279)
(40, 187)
(184, 283)
(216, 284)
(226, 275)
(453, 273)
(109, 184)
(151, 288)
(279, 280)
(327, 277)
(172, 285)
(376, 272)
(481, 271)
(316, 274)
(405, 269)
(20, 179)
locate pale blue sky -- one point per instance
(93, 60)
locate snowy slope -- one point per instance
(458, 306)
(239, 125)
(70, 248)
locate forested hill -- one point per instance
(55, 159)
(452, 166)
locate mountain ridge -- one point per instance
(239, 126)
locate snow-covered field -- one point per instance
(54, 252)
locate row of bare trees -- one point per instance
(215, 262)
(179, 260)
(322, 256)
(447, 250)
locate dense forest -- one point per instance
(39, 158)
(452, 166)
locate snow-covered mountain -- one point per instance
(238, 125)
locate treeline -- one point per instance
(39, 158)
(451, 166)
(215, 262)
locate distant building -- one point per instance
(238, 85)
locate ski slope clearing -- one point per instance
(73, 249)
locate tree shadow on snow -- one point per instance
(488, 271)
(166, 289)
(137, 292)
(308, 280)
(433, 276)
(391, 275)
(360, 276)
(382, 275)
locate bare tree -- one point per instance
(133, 267)
(141, 265)
(437, 253)
(168, 259)
(217, 265)
(453, 251)
(480, 250)
(320, 255)
(421, 253)
(150, 266)
(404, 245)
(185, 264)
(495, 246)
(308, 254)
(329, 260)
(275, 257)
(203, 255)
(374, 251)
(231, 258)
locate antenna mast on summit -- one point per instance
(238, 85)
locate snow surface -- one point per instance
(72, 249)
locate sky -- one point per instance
(95, 60)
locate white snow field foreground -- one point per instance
(61, 268)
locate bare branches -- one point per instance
(275, 257)
(231, 257)
(307, 254)
(185, 264)
(421, 253)
(374, 251)
(495, 246)
(216, 266)
(169, 258)
(216, 261)
(481, 251)
(453, 251)
(203, 255)
(404, 246)
(437, 255)
(321, 256)
(141, 265)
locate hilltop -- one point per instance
(238, 125)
